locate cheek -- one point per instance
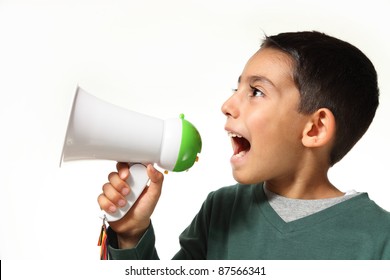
(264, 126)
(275, 135)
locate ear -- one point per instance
(320, 129)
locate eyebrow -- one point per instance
(256, 78)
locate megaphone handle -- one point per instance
(137, 181)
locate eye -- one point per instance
(255, 92)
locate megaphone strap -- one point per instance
(102, 242)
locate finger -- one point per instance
(105, 204)
(123, 170)
(120, 185)
(113, 195)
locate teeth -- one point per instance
(240, 147)
(240, 154)
(231, 134)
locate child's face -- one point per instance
(263, 112)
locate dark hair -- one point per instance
(330, 73)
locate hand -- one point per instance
(133, 225)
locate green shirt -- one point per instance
(237, 222)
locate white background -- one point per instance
(160, 58)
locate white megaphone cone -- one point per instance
(99, 130)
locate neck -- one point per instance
(305, 185)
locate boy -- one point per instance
(303, 100)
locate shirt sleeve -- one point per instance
(145, 249)
(193, 240)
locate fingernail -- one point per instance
(112, 209)
(121, 203)
(125, 191)
(122, 175)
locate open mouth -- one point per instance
(240, 145)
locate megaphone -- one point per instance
(100, 130)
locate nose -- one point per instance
(230, 107)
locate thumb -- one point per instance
(156, 181)
(155, 176)
(153, 192)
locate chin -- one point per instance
(244, 179)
